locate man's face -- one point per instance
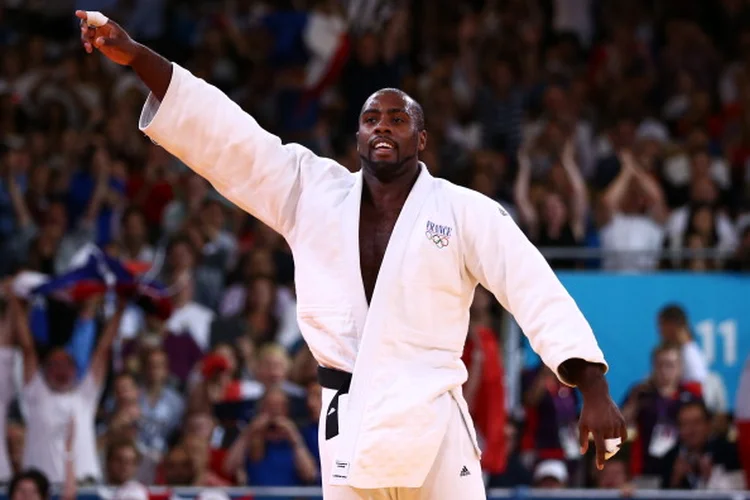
(694, 427)
(126, 392)
(26, 490)
(667, 368)
(388, 136)
(60, 371)
(669, 331)
(178, 468)
(272, 369)
(135, 227)
(122, 465)
(156, 368)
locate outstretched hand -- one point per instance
(601, 417)
(109, 38)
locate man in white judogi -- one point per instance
(387, 261)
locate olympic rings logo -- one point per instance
(440, 241)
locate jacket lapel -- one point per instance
(366, 365)
(350, 229)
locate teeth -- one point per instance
(383, 145)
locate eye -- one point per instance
(370, 120)
(398, 120)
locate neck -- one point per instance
(667, 390)
(391, 192)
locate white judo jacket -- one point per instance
(404, 349)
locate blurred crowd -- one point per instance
(619, 125)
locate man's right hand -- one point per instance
(110, 39)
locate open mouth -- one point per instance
(381, 144)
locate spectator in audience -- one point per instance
(189, 316)
(674, 329)
(162, 408)
(257, 322)
(200, 453)
(125, 393)
(614, 476)
(29, 485)
(562, 213)
(271, 448)
(178, 468)
(551, 474)
(186, 207)
(652, 406)
(121, 462)
(633, 233)
(180, 347)
(484, 390)
(699, 461)
(132, 244)
(52, 395)
(551, 431)
(205, 427)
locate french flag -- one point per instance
(55, 299)
(742, 417)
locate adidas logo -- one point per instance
(465, 471)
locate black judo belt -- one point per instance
(339, 381)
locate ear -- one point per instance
(356, 139)
(422, 141)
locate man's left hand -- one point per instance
(601, 417)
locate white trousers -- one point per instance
(455, 475)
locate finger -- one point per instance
(92, 18)
(623, 433)
(104, 42)
(601, 449)
(583, 435)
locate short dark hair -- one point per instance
(673, 313)
(34, 475)
(415, 109)
(695, 402)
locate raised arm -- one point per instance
(580, 205)
(211, 134)
(617, 189)
(502, 259)
(100, 359)
(521, 193)
(19, 322)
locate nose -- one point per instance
(382, 128)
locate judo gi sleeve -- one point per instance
(503, 260)
(212, 135)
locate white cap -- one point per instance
(132, 490)
(213, 494)
(555, 469)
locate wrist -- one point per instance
(590, 379)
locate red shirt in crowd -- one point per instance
(488, 407)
